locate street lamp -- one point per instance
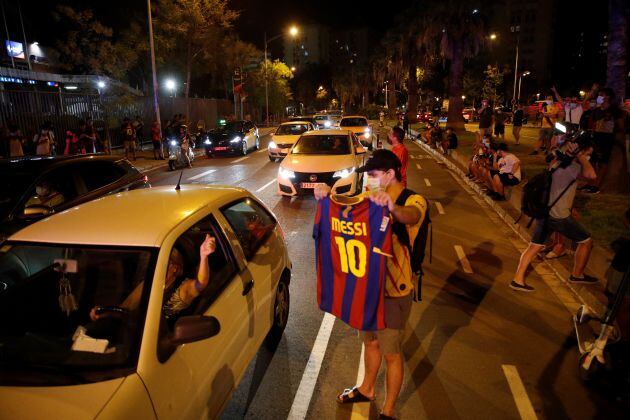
(293, 68)
(520, 79)
(293, 31)
(170, 85)
(493, 36)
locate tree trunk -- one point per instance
(412, 92)
(392, 101)
(617, 59)
(188, 71)
(456, 87)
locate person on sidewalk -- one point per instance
(485, 117)
(499, 124)
(384, 169)
(517, 123)
(450, 141)
(506, 172)
(562, 193)
(129, 138)
(405, 124)
(395, 138)
(16, 141)
(44, 140)
(156, 139)
(549, 118)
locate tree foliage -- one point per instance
(278, 77)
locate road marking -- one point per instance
(360, 411)
(303, 396)
(261, 150)
(266, 185)
(463, 260)
(240, 160)
(418, 166)
(523, 403)
(201, 175)
(439, 207)
(426, 181)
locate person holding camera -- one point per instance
(569, 165)
(505, 172)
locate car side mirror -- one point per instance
(36, 211)
(189, 329)
(360, 150)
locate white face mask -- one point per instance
(599, 100)
(41, 191)
(373, 183)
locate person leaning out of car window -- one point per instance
(181, 297)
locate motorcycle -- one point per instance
(177, 156)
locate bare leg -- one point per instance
(526, 258)
(582, 253)
(497, 185)
(393, 381)
(372, 359)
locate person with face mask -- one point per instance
(549, 118)
(384, 178)
(45, 195)
(572, 108)
(485, 117)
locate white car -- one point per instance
(330, 157)
(360, 126)
(91, 327)
(324, 121)
(285, 137)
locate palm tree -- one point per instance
(455, 31)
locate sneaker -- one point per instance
(585, 279)
(498, 197)
(521, 287)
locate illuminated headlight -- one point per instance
(327, 124)
(173, 143)
(207, 141)
(344, 173)
(367, 133)
(272, 145)
(236, 139)
(285, 173)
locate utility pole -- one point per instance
(266, 85)
(517, 30)
(156, 103)
(26, 52)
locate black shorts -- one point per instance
(505, 178)
(156, 145)
(499, 129)
(568, 227)
(602, 147)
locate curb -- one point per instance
(593, 298)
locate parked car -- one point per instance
(118, 345)
(232, 137)
(72, 179)
(328, 157)
(285, 136)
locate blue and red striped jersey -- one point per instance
(352, 241)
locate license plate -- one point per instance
(310, 184)
(219, 148)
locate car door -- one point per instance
(195, 380)
(247, 131)
(261, 246)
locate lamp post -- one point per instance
(293, 32)
(156, 104)
(386, 102)
(520, 79)
(517, 30)
(171, 86)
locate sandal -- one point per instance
(351, 396)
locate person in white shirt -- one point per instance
(572, 108)
(506, 171)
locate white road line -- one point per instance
(261, 150)
(523, 403)
(240, 160)
(360, 411)
(418, 166)
(303, 396)
(463, 260)
(266, 185)
(426, 181)
(201, 175)
(439, 207)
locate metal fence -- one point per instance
(28, 110)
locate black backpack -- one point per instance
(418, 250)
(535, 199)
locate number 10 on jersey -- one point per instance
(353, 256)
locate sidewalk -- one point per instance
(509, 212)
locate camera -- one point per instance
(570, 145)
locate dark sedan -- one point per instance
(36, 187)
(233, 137)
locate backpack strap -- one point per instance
(399, 229)
(561, 194)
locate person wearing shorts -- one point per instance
(129, 138)
(499, 124)
(485, 117)
(561, 195)
(506, 171)
(517, 123)
(549, 118)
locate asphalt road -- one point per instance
(473, 349)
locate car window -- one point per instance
(251, 223)
(59, 186)
(99, 174)
(353, 122)
(292, 129)
(322, 145)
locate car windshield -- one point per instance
(16, 183)
(322, 145)
(48, 335)
(232, 127)
(292, 129)
(321, 117)
(353, 122)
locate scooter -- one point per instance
(592, 345)
(177, 157)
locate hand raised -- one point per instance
(208, 246)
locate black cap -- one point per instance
(381, 160)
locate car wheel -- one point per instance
(257, 145)
(271, 158)
(280, 312)
(244, 151)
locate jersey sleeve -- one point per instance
(419, 202)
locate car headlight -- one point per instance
(285, 173)
(236, 139)
(272, 145)
(173, 143)
(327, 124)
(367, 133)
(344, 173)
(207, 141)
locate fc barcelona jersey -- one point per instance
(352, 243)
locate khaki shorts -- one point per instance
(396, 315)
